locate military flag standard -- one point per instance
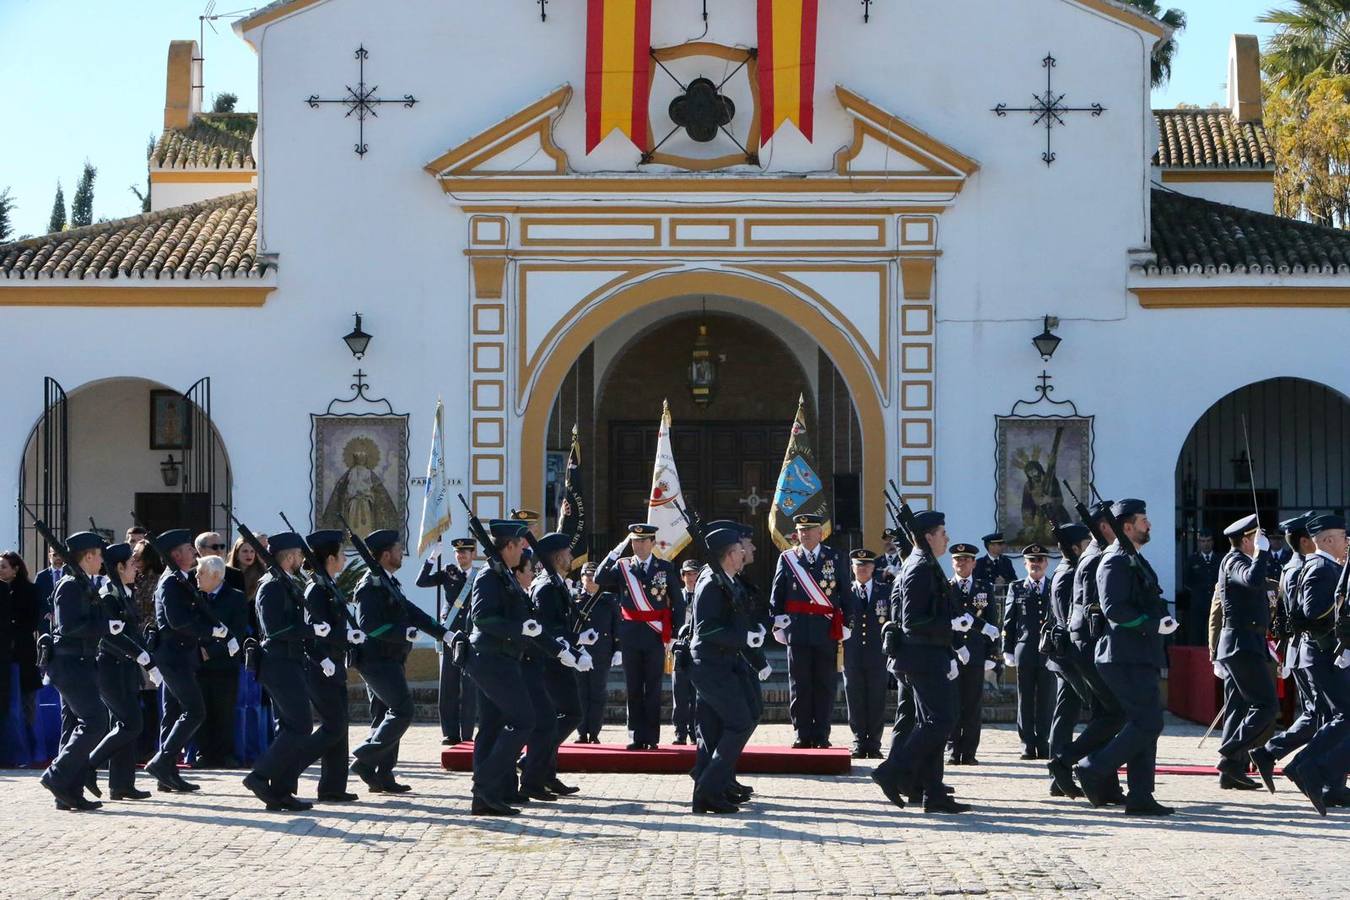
(672, 533)
(799, 491)
(436, 498)
(572, 509)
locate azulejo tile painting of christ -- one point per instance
(1034, 457)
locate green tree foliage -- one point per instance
(7, 206)
(82, 204)
(1165, 52)
(224, 103)
(58, 220)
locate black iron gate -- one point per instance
(204, 459)
(48, 494)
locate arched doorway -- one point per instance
(121, 445)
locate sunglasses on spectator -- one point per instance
(216, 546)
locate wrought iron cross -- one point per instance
(1048, 108)
(867, 10)
(361, 100)
(753, 500)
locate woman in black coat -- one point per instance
(20, 617)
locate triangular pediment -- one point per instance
(521, 144)
(884, 145)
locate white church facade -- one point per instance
(890, 259)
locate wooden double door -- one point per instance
(727, 471)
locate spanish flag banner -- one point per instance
(618, 69)
(787, 65)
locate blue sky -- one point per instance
(102, 97)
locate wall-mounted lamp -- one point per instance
(169, 470)
(357, 340)
(1046, 342)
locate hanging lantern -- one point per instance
(702, 369)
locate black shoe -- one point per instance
(485, 807)
(1095, 789)
(64, 798)
(393, 787)
(738, 795)
(1042, 752)
(971, 761)
(1237, 783)
(1149, 807)
(165, 773)
(259, 787)
(857, 752)
(944, 804)
(183, 785)
(366, 772)
(446, 742)
(83, 805)
(745, 789)
(582, 740)
(91, 783)
(636, 746)
(1310, 785)
(800, 744)
(1062, 773)
(1116, 797)
(562, 790)
(518, 798)
(1265, 767)
(948, 789)
(1336, 798)
(337, 797)
(875, 753)
(1028, 754)
(954, 760)
(822, 745)
(704, 803)
(1055, 790)
(132, 794)
(680, 740)
(653, 747)
(539, 793)
(293, 804)
(890, 790)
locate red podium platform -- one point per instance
(1192, 690)
(671, 760)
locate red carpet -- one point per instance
(670, 760)
(1198, 770)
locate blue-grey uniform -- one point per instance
(681, 688)
(974, 596)
(390, 622)
(644, 631)
(1243, 652)
(1130, 659)
(813, 632)
(1311, 707)
(119, 684)
(593, 686)
(866, 607)
(996, 570)
(1325, 760)
(498, 612)
(1026, 612)
(183, 623)
(721, 631)
(1072, 693)
(920, 599)
(79, 624)
(455, 699)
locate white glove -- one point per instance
(848, 633)
(356, 636)
(1287, 667)
(531, 628)
(321, 629)
(220, 632)
(567, 658)
(990, 665)
(115, 626)
(780, 636)
(588, 637)
(618, 551)
(963, 622)
(329, 670)
(754, 639)
(584, 662)
(142, 659)
(1167, 625)
(1219, 671)
(781, 622)
(1009, 660)
(448, 638)
(617, 658)
(953, 672)
(232, 646)
(155, 678)
(962, 655)
(1262, 542)
(411, 633)
(765, 672)
(1343, 661)
(990, 631)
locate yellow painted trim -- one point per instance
(748, 226)
(528, 223)
(203, 176)
(628, 300)
(114, 297)
(1240, 297)
(705, 185)
(489, 276)
(271, 15)
(706, 209)
(1229, 176)
(674, 253)
(507, 133)
(1128, 17)
(898, 134)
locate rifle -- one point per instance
(1137, 564)
(194, 596)
(267, 558)
(695, 525)
(1085, 515)
(494, 559)
(903, 540)
(905, 515)
(320, 573)
(544, 562)
(1065, 548)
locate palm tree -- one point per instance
(1165, 52)
(1313, 40)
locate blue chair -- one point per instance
(16, 745)
(48, 724)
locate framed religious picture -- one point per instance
(170, 421)
(360, 471)
(1034, 456)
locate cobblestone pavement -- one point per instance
(632, 836)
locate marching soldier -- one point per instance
(866, 608)
(1071, 690)
(1243, 657)
(682, 692)
(390, 623)
(994, 567)
(808, 619)
(975, 597)
(643, 583)
(1026, 612)
(455, 698)
(1130, 659)
(600, 611)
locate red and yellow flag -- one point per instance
(618, 69)
(787, 64)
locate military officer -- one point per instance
(1130, 658)
(1201, 574)
(455, 698)
(682, 692)
(1243, 659)
(994, 567)
(981, 643)
(927, 618)
(390, 623)
(1071, 690)
(1026, 611)
(866, 607)
(643, 583)
(805, 602)
(499, 612)
(600, 611)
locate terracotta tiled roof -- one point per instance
(211, 239)
(1210, 138)
(212, 141)
(1200, 237)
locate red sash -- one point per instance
(803, 608)
(649, 615)
(645, 612)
